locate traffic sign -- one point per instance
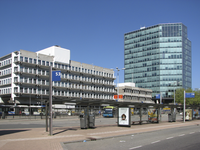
(56, 75)
(189, 95)
(158, 96)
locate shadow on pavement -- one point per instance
(4, 132)
(63, 130)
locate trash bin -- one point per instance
(174, 117)
(91, 121)
(83, 121)
(169, 117)
(3, 115)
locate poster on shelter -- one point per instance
(196, 113)
(123, 116)
(152, 115)
(188, 114)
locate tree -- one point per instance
(179, 96)
(197, 97)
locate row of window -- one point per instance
(64, 84)
(62, 93)
(5, 62)
(145, 75)
(6, 81)
(5, 71)
(156, 60)
(140, 33)
(62, 66)
(128, 97)
(5, 90)
(65, 75)
(144, 41)
(137, 92)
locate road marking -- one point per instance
(191, 132)
(169, 138)
(182, 135)
(136, 147)
(139, 129)
(155, 142)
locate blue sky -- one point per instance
(93, 30)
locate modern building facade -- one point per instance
(159, 58)
(133, 94)
(24, 78)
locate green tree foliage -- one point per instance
(179, 96)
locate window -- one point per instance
(39, 72)
(39, 62)
(21, 58)
(15, 58)
(30, 70)
(43, 72)
(35, 61)
(43, 62)
(30, 90)
(26, 59)
(21, 69)
(15, 89)
(15, 79)
(26, 69)
(47, 63)
(30, 60)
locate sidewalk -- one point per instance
(38, 138)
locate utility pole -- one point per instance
(50, 100)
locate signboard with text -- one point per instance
(56, 75)
(157, 96)
(189, 95)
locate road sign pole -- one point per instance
(160, 106)
(184, 108)
(50, 100)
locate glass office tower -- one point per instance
(158, 58)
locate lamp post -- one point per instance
(118, 81)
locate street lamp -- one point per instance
(118, 81)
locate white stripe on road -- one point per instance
(155, 142)
(191, 132)
(182, 135)
(169, 138)
(136, 147)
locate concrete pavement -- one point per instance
(38, 138)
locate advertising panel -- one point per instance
(196, 113)
(124, 116)
(188, 114)
(153, 115)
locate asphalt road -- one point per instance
(184, 138)
(68, 122)
(71, 121)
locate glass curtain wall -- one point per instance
(158, 58)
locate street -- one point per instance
(184, 138)
(70, 121)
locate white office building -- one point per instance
(24, 78)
